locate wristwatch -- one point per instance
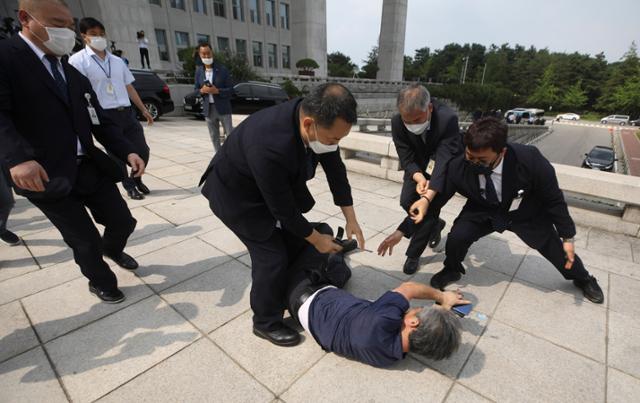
(568, 240)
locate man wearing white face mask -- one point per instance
(111, 80)
(256, 184)
(49, 115)
(423, 130)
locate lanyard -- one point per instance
(95, 59)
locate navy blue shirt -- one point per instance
(359, 329)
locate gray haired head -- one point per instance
(438, 334)
(412, 98)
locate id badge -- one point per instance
(515, 203)
(93, 115)
(110, 89)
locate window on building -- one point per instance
(286, 56)
(163, 48)
(272, 54)
(223, 44)
(200, 6)
(219, 8)
(254, 11)
(241, 48)
(257, 54)
(284, 16)
(270, 12)
(156, 2)
(182, 42)
(179, 4)
(202, 38)
(238, 9)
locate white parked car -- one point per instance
(568, 116)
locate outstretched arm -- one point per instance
(447, 299)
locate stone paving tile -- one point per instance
(509, 365)
(31, 283)
(98, 358)
(148, 223)
(163, 268)
(69, 306)
(225, 240)
(16, 333)
(499, 256)
(276, 367)
(611, 264)
(610, 244)
(200, 372)
(621, 387)
(370, 284)
(325, 204)
(537, 270)
(379, 218)
(29, 378)
(183, 210)
(187, 180)
(460, 394)
(161, 190)
(552, 316)
(16, 261)
(624, 349)
(407, 381)
(47, 247)
(213, 298)
(625, 296)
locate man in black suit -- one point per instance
(508, 187)
(47, 114)
(256, 184)
(423, 129)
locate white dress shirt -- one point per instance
(208, 75)
(41, 56)
(111, 72)
(496, 178)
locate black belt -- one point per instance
(120, 108)
(304, 295)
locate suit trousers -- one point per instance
(69, 215)
(271, 261)
(6, 202)
(132, 130)
(421, 233)
(465, 232)
(213, 124)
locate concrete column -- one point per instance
(309, 33)
(391, 41)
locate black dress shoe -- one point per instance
(411, 265)
(443, 278)
(142, 187)
(590, 289)
(282, 336)
(347, 244)
(134, 194)
(436, 234)
(125, 261)
(110, 297)
(10, 238)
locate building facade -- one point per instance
(261, 30)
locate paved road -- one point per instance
(631, 144)
(568, 143)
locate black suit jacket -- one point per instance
(37, 124)
(443, 142)
(259, 175)
(525, 169)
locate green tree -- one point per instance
(546, 95)
(340, 65)
(307, 66)
(575, 98)
(627, 97)
(370, 68)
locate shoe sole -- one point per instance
(94, 292)
(287, 344)
(432, 243)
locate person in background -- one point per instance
(120, 54)
(143, 45)
(214, 82)
(111, 80)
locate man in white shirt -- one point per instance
(111, 80)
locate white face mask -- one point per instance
(321, 148)
(418, 128)
(98, 42)
(61, 40)
(207, 61)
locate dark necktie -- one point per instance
(57, 77)
(490, 190)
